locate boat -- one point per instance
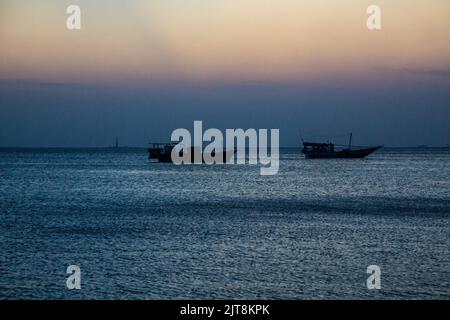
(162, 152)
(314, 150)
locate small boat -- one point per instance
(163, 153)
(314, 150)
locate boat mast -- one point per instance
(301, 137)
(350, 141)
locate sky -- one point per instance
(139, 69)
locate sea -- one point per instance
(139, 229)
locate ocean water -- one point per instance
(144, 230)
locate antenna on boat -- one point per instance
(350, 141)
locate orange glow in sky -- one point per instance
(222, 40)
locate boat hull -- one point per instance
(344, 154)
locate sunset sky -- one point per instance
(304, 62)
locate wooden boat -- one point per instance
(314, 150)
(163, 153)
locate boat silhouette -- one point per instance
(162, 152)
(315, 150)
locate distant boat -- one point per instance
(314, 150)
(161, 151)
